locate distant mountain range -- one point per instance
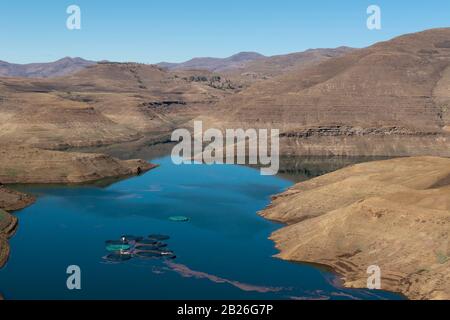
(253, 62)
(269, 67)
(58, 68)
(248, 64)
(215, 64)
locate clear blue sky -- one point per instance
(151, 31)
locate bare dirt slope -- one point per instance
(393, 213)
(394, 94)
(103, 104)
(390, 99)
(28, 165)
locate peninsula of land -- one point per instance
(394, 214)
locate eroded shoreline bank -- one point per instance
(10, 200)
(394, 214)
(8, 225)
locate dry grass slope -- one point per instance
(393, 213)
(394, 93)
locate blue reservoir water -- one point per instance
(223, 252)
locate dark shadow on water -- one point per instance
(148, 148)
(292, 168)
(297, 169)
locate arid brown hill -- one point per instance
(369, 101)
(394, 214)
(102, 104)
(269, 67)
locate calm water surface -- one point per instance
(223, 252)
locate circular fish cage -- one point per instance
(115, 242)
(118, 247)
(147, 248)
(158, 237)
(131, 238)
(179, 219)
(146, 242)
(130, 246)
(118, 257)
(148, 254)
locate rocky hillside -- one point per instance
(394, 214)
(103, 104)
(391, 99)
(390, 93)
